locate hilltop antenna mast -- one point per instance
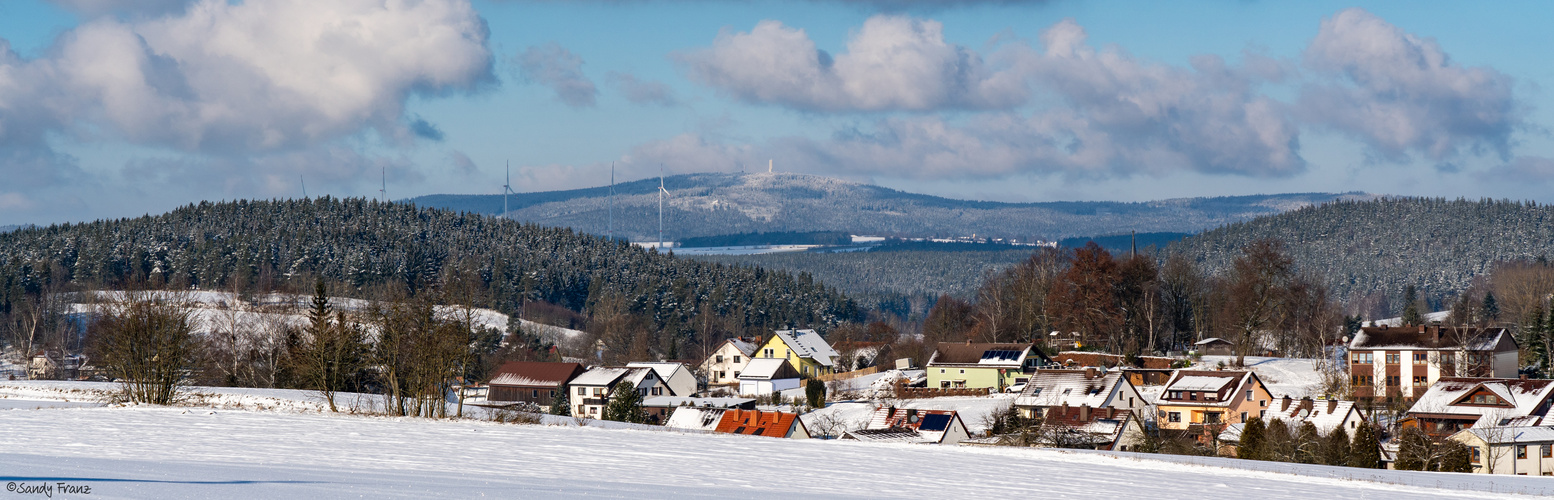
(383, 191)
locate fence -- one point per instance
(847, 375)
(904, 392)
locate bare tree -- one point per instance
(1256, 293)
(146, 341)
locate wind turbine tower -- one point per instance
(507, 188)
(661, 193)
(383, 191)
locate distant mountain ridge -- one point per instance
(713, 204)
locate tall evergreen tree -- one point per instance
(815, 393)
(1336, 451)
(1411, 315)
(1365, 453)
(1308, 445)
(562, 403)
(1491, 308)
(1253, 445)
(625, 404)
(1456, 457)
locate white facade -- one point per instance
(758, 387)
(1524, 451)
(725, 363)
(1420, 369)
(590, 392)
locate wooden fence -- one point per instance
(847, 375)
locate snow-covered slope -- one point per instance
(192, 452)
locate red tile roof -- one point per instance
(757, 423)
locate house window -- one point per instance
(770, 354)
(717, 359)
(1248, 394)
(1395, 380)
(1521, 451)
(1548, 450)
(1361, 380)
(1243, 416)
(598, 391)
(658, 391)
(534, 393)
(736, 374)
(1263, 414)
(1193, 396)
(593, 410)
(1211, 417)
(552, 393)
(1392, 358)
(1485, 399)
(944, 384)
(736, 359)
(1421, 381)
(1175, 416)
(1210, 396)
(1262, 402)
(1448, 359)
(1421, 358)
(722, 375)
(1361, 358)
(579, 410)
(1475, 454)
(582, 391)
(963, 370)
(1175, 395)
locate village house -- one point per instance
(1393, 362)
(1520, 451)
(678, 378)
(736, 421)
(592, 390)
(1211, 400)
(1453, 404)
(809, 354)
(1090, 388)
(1096, 429)
(977, 366)
(660, 408)
(766, 376)
(532, 382)
(910, 425)
(725, 363)
(1326, 415)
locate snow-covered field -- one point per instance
(202, 452)
(1296, 377)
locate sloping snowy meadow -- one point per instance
(288, 451)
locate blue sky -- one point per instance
(112, 108)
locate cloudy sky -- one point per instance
(114, 108)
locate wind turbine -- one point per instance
(507, 188)
(304, 186)
(383, 191)
(661, 193)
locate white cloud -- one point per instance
(553, 66)
(891, 63)
(1401, 93)
(262, 75)
(123, 7)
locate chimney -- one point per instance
(1332, 405)
(1084, 413)
(1285, 403)
(1421, 328)
(1111, 412)
(1307, 404)
(1089, 372)
(1065, 408)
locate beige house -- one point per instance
(1211, 400)
(1520, 451)
(725, 363)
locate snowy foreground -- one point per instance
(161, 452)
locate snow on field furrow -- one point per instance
(178, 443)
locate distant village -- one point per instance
(1424, 397)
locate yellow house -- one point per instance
(809, 354)
(1195, 399)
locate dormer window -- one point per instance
(1485, 399)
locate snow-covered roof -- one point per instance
(766, 368)
(1202, 383)
(1004, 355)
(678, 401)
(608, 376)
(928, 426)
(808, 344)
(1325, 414)
(1431, 337)
(1427, 317)
(747, 348)
(695, 419)
(1510, 435)
(1210, 340)
(535, 374)
(1520, 398)
(664, 369)
(1072, 387)
(893, 435)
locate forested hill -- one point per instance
(714, 204)
(1381, 246)
(359, 244)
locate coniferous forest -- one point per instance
(360, 247)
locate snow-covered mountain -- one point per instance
(711, 204)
